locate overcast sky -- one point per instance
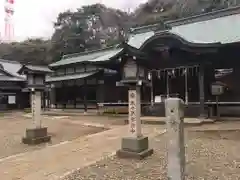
(34, 18)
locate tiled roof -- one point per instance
(221, 26)
(70, 77)
(137, 40)
(7, 78)
(221, 30)
(92, 56)
(38, 68)
(12, 67)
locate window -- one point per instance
(79, 82)
(91, 81)
(70, 83)
(60, 72)
(39, 80)
(30, 79)
(80, 69)
(90, 68)
(70, 70)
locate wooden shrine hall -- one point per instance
(184, 58)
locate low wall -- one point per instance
(159, 110)
(230, 111)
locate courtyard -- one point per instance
(212, 152)
(83, 148)
(61, 128)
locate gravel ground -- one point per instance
(13, 127)
(211, 154)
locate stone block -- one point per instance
(135, 144)
(134, 155)
(135, 148)
(36, 136)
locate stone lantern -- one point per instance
(36, 85)
(134, 75)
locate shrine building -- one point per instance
(184, 58)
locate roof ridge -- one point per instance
(142, 28)
(205, 16)
(9, 61)
(186, 20)
(87, 52)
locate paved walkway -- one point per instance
(187, 121)
(145, 119)
(55, 161)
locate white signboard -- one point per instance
(158, 99)
(11, 99)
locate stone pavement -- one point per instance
(54, 162)
(187, 121)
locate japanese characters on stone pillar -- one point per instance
(36, 109)
(134, 109)
(174, 108)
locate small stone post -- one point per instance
(36, 78)
(136, 145)
(36, 134)
(174, 108)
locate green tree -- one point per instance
(90, 27)
(33, 51)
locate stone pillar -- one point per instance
(36, 134)
(53, 98)
(136, 145)
(134, 109)
(36, 109)
(175, 131)
(201, 92)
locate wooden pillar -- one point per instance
(64, 95)
(100, 91)
(75, 94)
(186, 86)
(201, 91)
(152, 91)
(167, 85)
(52, 97)
(85, 95)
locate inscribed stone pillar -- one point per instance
(134, 109)
(175, 130)
(36, 109)
(136, 145)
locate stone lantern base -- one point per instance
(135, 148)
(36, 136)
